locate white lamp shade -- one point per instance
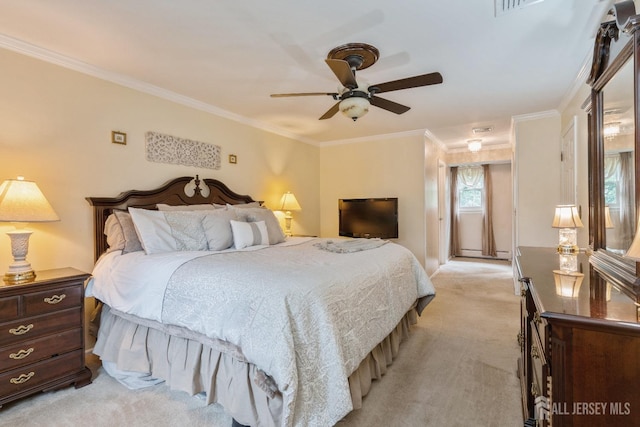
(22, 201)
(608, 223)
(634, 250)
(288, 202)
(354, 107)
(568, 283)
(566, 216)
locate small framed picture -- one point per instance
(118, 137)
(233, 159)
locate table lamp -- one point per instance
(634, 250)
(568, 283)
(288, 203)
(567, 220)
(22, 202)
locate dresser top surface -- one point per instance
(595, 299)
(44, 278)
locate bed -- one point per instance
(281, 331)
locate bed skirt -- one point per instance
(141, 353)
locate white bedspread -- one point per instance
(303, 315)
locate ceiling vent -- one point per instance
(482, 130)
(503, 7)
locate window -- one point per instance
(470, 187)
(612, 174)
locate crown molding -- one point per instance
(535, 116)
(578, 83)
(417, 132)
(55, 58)
(487, 147)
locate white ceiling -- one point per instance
(229, 56)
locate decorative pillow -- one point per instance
(247, 234)
(169, 231)
(131, 241)
(276, 235)
(182, 208)
(217, 228)
(245, 205)
(113, 231)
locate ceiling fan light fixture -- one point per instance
(354, 107)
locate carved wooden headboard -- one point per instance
(172, 193)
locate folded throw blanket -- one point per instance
(348, 246)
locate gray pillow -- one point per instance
(187, 230)
(217, 228)
(131, 240)
(276, 235)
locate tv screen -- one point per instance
(368, 218)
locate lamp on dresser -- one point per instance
(567, 220)
(634, 250)
(288, 203)
(22, 202)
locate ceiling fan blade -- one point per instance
(409, 82)
(385, 104)
(343, 72)
(331, 112)
(282, 95)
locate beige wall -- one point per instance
(56, 130)
(393, 167)
(574, 111)
(537, 178)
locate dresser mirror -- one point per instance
(613, 144)
(619, 160)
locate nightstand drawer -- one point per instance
(53, 300)
(42, 348)
(9, 308)
(33, 327)
(38, 374)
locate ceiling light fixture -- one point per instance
(611, 129)
(474, 145)
(355, 106)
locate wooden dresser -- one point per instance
(42, 334)
(580, 361)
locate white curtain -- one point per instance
(471, 176)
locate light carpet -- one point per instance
(456, 369)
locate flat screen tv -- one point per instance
(368, 218)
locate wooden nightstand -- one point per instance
(42, 334)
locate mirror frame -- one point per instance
(620, 271)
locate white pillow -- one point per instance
(169, 231)
(247, 234)
(245, 205)
(217, 228)
(113, 231)
(182, 208)
(276, 235)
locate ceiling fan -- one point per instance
(354, 99)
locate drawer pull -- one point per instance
(55, 299)
(21, 330)
(23, 378)
(21, 354)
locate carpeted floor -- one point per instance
(456, 369)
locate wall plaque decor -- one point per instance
(179, 151)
